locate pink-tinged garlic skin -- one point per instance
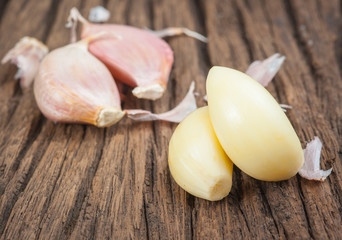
(27, 55)
(177, 114)
(136, 57)
(311, 169)
(73, 86)
(264, 71)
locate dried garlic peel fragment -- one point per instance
(251, 127)
(196, 159)
(27, 55)
(177, 114)
(311, 169)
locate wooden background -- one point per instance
(60, 181)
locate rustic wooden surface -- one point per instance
(61, 181)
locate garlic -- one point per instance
(312, 155)
(139, 59)
(27, 55)
(177, 114)
(73, 86)
(265, 70)
(251, 127)
(197, 161)
(175, 31)
(99, 14)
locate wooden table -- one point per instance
(61, 181)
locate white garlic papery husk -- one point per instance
(264, 71)
(177, 114)
(27, 55)
(73, 86)
(311, 169)
(99, 14)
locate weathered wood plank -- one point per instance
(60, 181)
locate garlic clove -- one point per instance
(139, 59)
(251, 127)
(311, 169)
(197, 161)
(75, 87)
(177, 114)
(27, 55)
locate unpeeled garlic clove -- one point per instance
(251, 127)
(139, 59)
(197, 161)
(27, 55)
(75, 87)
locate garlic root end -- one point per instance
(108, 117)
(151, 92)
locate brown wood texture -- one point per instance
(61, 181)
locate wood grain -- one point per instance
(69, 181)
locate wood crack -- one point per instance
(146, 219)
(298, 38)
(50, 19)
(74, 215)
(269, 210)
(3, 5)
(243, 32)
(304, 207)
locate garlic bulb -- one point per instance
(73, 86)
(251, 127)
(197, 161)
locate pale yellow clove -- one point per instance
(197, 161)
(251, 126)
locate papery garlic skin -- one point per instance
(197, 161)
(27, 55)
(73, 86)
(177, 114)
(251, 127)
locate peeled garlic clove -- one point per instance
(73, 86)
(311, 169)
(27, 55)
(139, 59)
(177, 114)
(251, 127)
(197, 161)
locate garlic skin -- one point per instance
(311, 169)
(197, 161)
(251, 127)
(27, 55)
(73, 86)
(99, 14)
(177, 114)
